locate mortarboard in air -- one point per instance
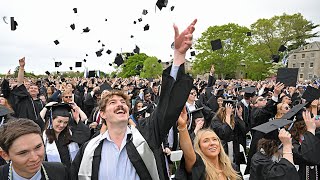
(47, 73)
(92, 74)
(99, 53)
(131, 36)
(216, 44)
(70, 68)
(172, 8)
(86, 30)
(57, 64)
(140, 19)
(103, 45)
(118, 60)
(84, 60)
(136, 50)
(275, 58)
(159, 61)
(87, 55)
(56, 42)
(282, 48)
(197, 113)
(167, 63)
(109, 51)
(134, 22)
(72, 26)
(145, 12)
(146, 27)
(110, 64)
(161, 4)
(193, 53)
(58, 72)
(104, 86)
(270, 129)
(293, 111)
(249, 91)
(311, 94)
(78, 64)
(287, 76)
(249, 33)
(13, 24)
(106, 19)
(75, 10)
(99, 41)
(4, 18)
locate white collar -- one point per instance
(15, 176)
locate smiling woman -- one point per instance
(22, 145)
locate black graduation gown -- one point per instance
(262, 168)
(55, 171)
(25, 106)
(198, 170)
(302, 155)
(259, 116)
(154, 128)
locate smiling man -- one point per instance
(22, 145)
(125, 152)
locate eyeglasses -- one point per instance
(67, 96)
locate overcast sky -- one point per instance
(42, 22)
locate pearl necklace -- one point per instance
(308, 169)
(42, 168)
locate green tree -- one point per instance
(151, 68)
(129, 66)
(227, 59)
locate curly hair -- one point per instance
(270, 146)
(298, 129)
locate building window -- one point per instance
(294, 56)
(300, 76)
(310, 76)
(311, 65)
(302, 65)
(293, 65)
(303, 55)
(312, 54)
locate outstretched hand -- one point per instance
(22, 62)
(183, 118)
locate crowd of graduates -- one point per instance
(114, 128)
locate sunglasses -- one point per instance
(67, 96)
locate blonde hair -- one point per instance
(279, 114)
(221, 114)
(211, 170)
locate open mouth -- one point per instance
(120, 112)
(212, 149)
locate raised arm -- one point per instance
(21, 71)
(185, 141)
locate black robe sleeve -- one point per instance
(198, 171)
(80, 132)
(308, 151)
(223, 130)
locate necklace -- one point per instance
(42, 168)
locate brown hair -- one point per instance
(14, 129)
(270, 146)
(106, 97)
(298, 129)
(221, 114)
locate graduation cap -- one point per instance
(87, 55)
(159, 61)
(78, 64)
(99, 41)
(59, 109)
(72, 26)
(134, 22)
(118, 60)
(161, 4)
(70, 68)
(197, 113)
(145, 12)
(136, 50)
(172, 8)
(104, 86)
(103, 45)
(56, 42)
(106, 19)
(216, 44)
(84, 60)
(249, 91)
(249, 33)
(57, 64)
(13, 24)
(293, 111)
(4, 110)
(282, 48)
(99, 53)
(193, 53)
(140, 19)
(86, 30)
(75, 10)
(92, 74)
(47, 73)
(311, 94)
(167, 63)
(109, 51)
(275, 58)
(146, 27)
(270, 129)
(229, 101)
(131, 36)
(110, 64)
(287, 76)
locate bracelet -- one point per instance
(183, 129)
(287, 153)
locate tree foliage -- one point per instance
(129, 67)
(151, 68)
